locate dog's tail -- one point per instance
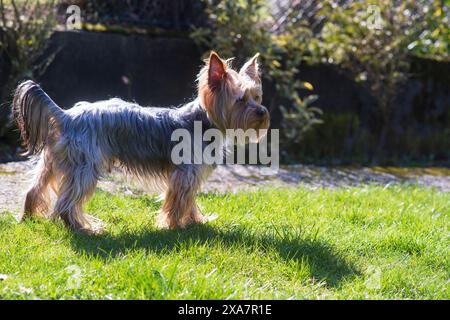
(36, 115)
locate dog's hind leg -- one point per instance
(37, 199)
(76, 186)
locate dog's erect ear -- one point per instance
(251, 69)
(217, 70)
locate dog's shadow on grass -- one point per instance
(323, 262)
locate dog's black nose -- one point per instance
(261, 111)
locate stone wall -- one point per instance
(93, 66)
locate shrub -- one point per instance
(373, 41)
(242, 28)
(25, 27)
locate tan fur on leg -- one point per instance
(179, 208)
(73, 192)
(37, 200)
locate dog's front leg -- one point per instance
(179, 208)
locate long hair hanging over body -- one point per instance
(78, 146)
(103, 132)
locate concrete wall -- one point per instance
(92, 66)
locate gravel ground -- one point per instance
(15, 176)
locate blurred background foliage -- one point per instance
(239, 29)
(371, 41)
(374, 43)
(25, 27)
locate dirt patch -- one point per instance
(15, 178)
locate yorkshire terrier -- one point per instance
(78, 146)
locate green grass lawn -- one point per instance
(359, 243)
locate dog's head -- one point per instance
(233, 100)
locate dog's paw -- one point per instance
(164, 223)
(211, 217)
(95, 227)
(200, 218)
